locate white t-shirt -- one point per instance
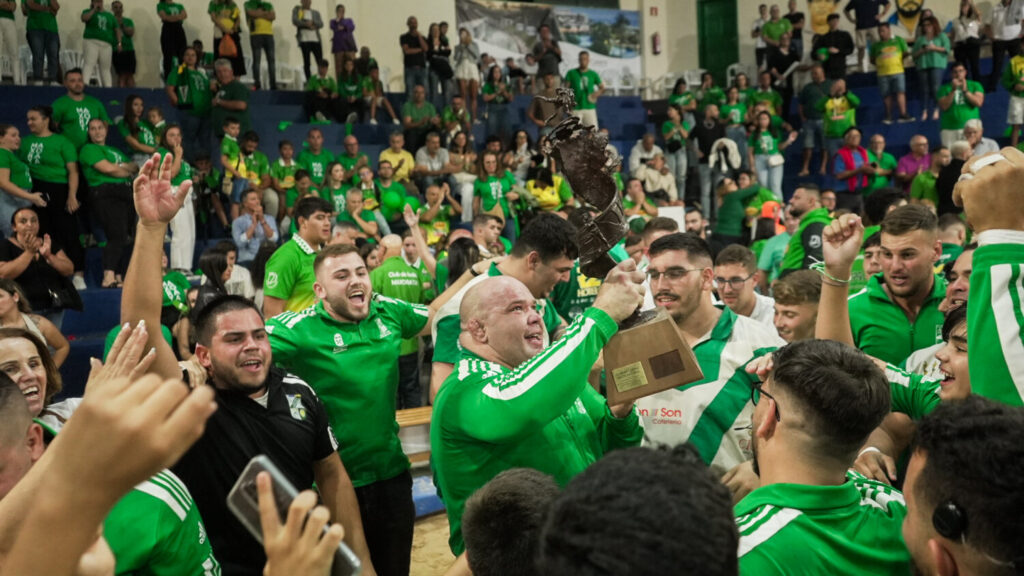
(759, 25)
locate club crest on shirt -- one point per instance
(295, 406)
(384, 332)
(339, 343)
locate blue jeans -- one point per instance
(676, 162)
(769, 176)
(44, 42)
(196, 134)
(264, 42)
(415, 76)
(709, 180)
(930, 80)
(738, 134)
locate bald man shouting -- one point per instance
(512, 403)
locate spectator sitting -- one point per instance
(401, 161)
(433, 164)
(252, 227)
(351, 100)
(365, 61)
(551, 191)
(887, 55)
(373, 93)
(960, 101)
(911, 164)
(456, 118)
(852, 170)
(973, 134)
(315, 158)
(437, 214)
(308, 23)
(322, 100)
(658, 181)
(643, 153)
(922, 189)
(15, 312)
(418, 118)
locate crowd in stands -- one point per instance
(839, 424)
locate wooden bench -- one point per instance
(415, 417)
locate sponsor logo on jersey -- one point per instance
(272, 280)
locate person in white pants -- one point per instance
(183, 226)
(9, 41)
(101, 34)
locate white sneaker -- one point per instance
(352, 118)
(78, 282)
(320, 116)
(373, 121)
(395, 121)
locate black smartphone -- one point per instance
(243, 501)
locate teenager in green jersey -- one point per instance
(711, 413)
(347, 347)
(289, 274)
(816, 403)
(512, 402)
(963, 490)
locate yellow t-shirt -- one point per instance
(401, 173)
(889, 56)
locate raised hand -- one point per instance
(841, 244)
(991, 197)
(125, 358)
(155, 201)
(45, 246)
(411, 220)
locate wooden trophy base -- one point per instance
(646, 359)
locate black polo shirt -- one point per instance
(292, 430)
(412, 60)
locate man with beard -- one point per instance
(347, 346)
(818, 402)
(514, 402)
(712, 413)
(260, 410)
(805, 245)
(898, 312)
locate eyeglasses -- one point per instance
(672, 274)
(756, 390)
(736, 283)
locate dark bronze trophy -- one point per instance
(647, 355)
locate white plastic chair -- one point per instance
(6, 67)
(247, 78)
(71, 59)
(692, 77)
(285, 75)
(628, 82)
(385, 77)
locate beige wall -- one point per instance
(379, 23)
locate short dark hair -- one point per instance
(228, 121)
(872, 241)
(484, 219)
(659, 224)
(502, 522)
(251, 136)
(549, 236)
(306, 207)
(333, 251)
(300, 174)
(838, 390)
(226, 246)
(72, 71)
(955, 317)
(907, 219)
(593, 527)
(812, 188)
(799, 287)
(284, 143)
(633, 240)
(877, 204)
(694, 246)
(737, 254)
(204, 323)
(974, 461)
(949, 220)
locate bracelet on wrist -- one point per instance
(869, 449)
(827, 278)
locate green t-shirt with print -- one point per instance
(41, 19)
(325, 83)
(960, 110)
(101, 27)
(256, 167)
(774, 30)
(682, 100)
(176, 288)
(146, 135)
(764, 143)
(73, 117)
(492, 191)
(91, 154)
(48, 157)
(668, 126)
(734, 113)
(289, 274)
(439, 227)
(395, 278)
(351, 86)
(315, 164)
(169, 8)
(284, 174)
(229, 148)
(583, 84)
(192, 88)
(18, 172)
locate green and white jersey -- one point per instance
(353, 367)
(881, 328)
(912, 394)
(447, 325)
(708, 412)
(290, 276)
(395, 278)
(572, 298)
(995, 323)
(853, 528)
(542, 415)
(156, 530)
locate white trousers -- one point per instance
(587, 117)
(97, 54)
(9, 41)
(183, 235)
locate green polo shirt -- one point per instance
(290, 276)
(19, 173)
(92, 154)
(73, 117)
(41, 20)
(48, 157)
(852, 528)
(101, 27)
(193, 89)
(583, 84)
(572, 298)
(315, 164)
(353, 367)
(395, 278)
(881, 329)
(960, 110)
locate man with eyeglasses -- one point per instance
(736, 275)
(818, 402)
(705, 413)
(514, 402)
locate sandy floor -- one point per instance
(430, 553)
